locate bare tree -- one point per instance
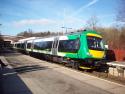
(92, 22)
(121, 11)
(27, 33)
(122, 38)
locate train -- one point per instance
(84, 49)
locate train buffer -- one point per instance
(117, 68)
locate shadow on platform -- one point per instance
(11, 83)
(30, 68)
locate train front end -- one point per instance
(95, 46)
(96, 50)
(94, 54)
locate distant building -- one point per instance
(9, 40)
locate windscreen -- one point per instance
(95, 43)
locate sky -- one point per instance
(50, 15)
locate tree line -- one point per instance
(38, 34)
(114, 37)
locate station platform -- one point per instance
(12, 83)
(106, 85)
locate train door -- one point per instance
(32, 45)
(55, 46)
(25, 45)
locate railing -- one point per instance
(117, 68)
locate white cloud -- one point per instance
(48, 22)
(33, 22)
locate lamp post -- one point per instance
(66, 29)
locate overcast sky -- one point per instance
(43, 15)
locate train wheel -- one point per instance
(75, 65)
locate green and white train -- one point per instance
(80, 50)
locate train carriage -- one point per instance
(79, 49)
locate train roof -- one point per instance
(44, 39)
(26, 39)
(83, 32)
(62, 37)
